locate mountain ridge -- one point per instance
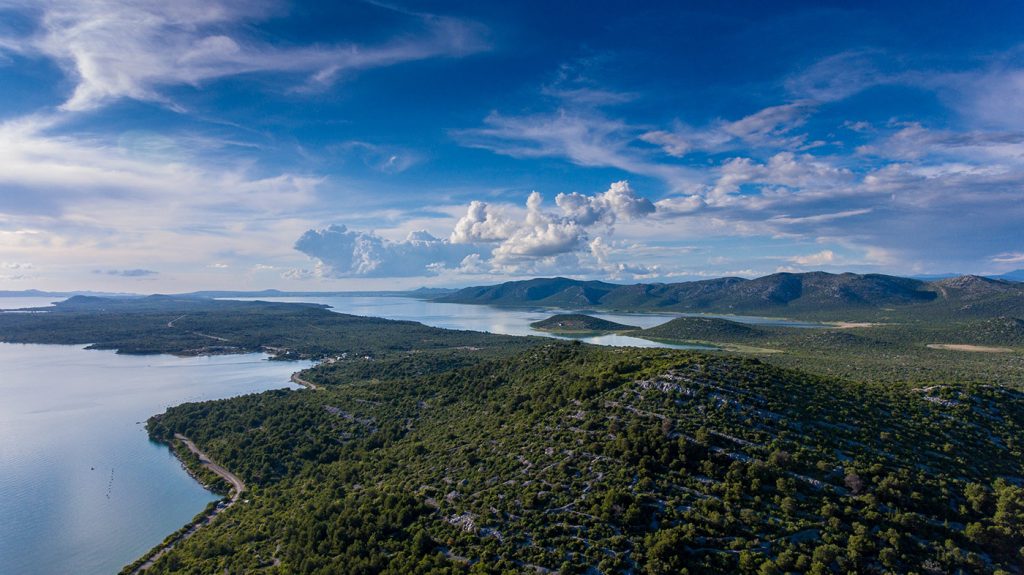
(790, 293)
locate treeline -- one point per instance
(897, 351)
(196, 326)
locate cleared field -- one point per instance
(974, 348)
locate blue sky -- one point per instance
(168, 146)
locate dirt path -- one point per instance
(236, 482)
(218, 338)
(966, 347)
(308, 384)
(237, 487)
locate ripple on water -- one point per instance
(83, 490)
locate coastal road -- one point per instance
(308, 384)
(237, 487)
(235, 481)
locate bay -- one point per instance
(514, 321)
(82, 489)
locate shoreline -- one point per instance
(304, 383)
(201, 520)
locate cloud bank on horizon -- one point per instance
(217, 143)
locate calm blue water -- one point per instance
(82, 489)
(23, 302)
(512, 321)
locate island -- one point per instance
(579, 324)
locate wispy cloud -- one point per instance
(129, 273)
(91, 198)
(136, 48)
(60, 168)
(585, 138)
(382, 158)
(1008, 258)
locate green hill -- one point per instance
(429, 451)
(541, 291)
(576, 459)
(705, 329)
(579, 323)
(813, 294)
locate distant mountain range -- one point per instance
(1015, 275)
(423, 292)
(58, 294)
(790, 293)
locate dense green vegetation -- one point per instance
(814, 295)
(709, 329)
(577, 323)
(432, 451)
(566, 456)
(894, 352)
(193, 326)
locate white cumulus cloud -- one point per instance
(349, 253)
(620, 201)
(487, 239)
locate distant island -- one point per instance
(576, 323)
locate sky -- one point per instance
(153, 146)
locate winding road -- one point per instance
(237, 487)
(299, 381)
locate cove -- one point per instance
(82, 489)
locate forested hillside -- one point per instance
(812, 295)
(196, 326)
(424, 450)
(566, 458)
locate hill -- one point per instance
(579, 323)
(536, 292)
(575, 459)
(708, 329)
(424, 450)
(1015, 275)
(813, 294)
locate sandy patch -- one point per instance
(965, 347)
(852, 324)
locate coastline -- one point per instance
(304, 383)
(201, 520)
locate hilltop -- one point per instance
(708, 329)
(579, 323)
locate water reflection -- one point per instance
(512, 321)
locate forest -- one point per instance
(424, 450)
(566, 457)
